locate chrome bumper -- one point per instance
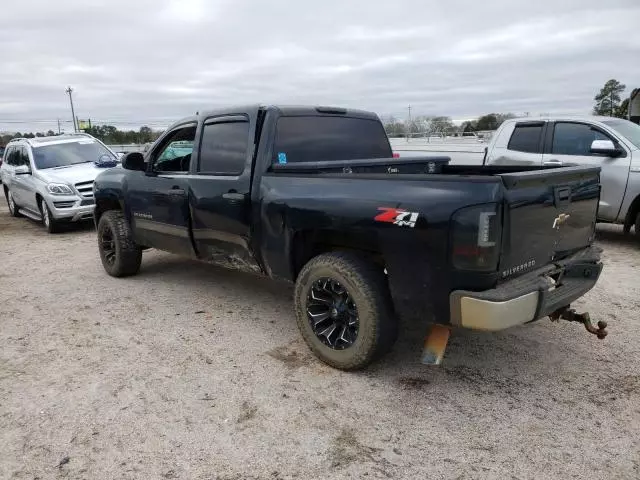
(75, 213)
(526, 298)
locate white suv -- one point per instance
(50, 179)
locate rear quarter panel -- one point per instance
(416, 258)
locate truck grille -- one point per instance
(85, 189)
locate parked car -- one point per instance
(610, 143)
(634, 106)
(1, 158)
(312, 195)
(50, 179)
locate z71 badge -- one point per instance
(397, 216)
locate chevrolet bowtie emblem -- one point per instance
(560, 219)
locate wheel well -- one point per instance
(634, 208)
(38, 202)
(104, 205)
(311, 243)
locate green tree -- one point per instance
(441, 125)
(623, 110)
(146, 135)
(608, 99)
(394, 128)
(487, 122)
(469, 126)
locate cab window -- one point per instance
(174, 152)
(526, 138)
(575, 138)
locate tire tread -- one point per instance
(128, 253)
(371, 282)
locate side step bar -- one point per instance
(30, 214)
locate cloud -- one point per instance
(153, 61)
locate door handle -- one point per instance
(233, 197)
(179, 192)
(553, 163)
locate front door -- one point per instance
(22, 187)
(571, 145)
(221, 185)
(159, 198)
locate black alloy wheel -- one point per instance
(108, 245)
(333, 314)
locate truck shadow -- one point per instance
(612, 234)
(518, 355)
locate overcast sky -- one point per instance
(153, 61)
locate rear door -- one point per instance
(570, 144)
(548, 215)
(7, 169)
(220, 191)
(20, 183)
(519, 143)
(158, 198)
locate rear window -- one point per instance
(526, 138)
(223, 149)
(325, 138)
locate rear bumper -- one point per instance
(528, 297)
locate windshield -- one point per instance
(70, 153)
(627, 129)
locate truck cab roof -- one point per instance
(283, 110)
(562, 118)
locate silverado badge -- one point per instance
(560, 219)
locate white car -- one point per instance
(50, 179)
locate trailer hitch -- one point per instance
(570, 315)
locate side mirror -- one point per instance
(22, 170)
(605, 147)
(134, 161)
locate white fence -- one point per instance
(126, 148)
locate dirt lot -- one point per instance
(192, 372)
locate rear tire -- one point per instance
(13, 208)
(371, 307)
(120, 255)
(48, 221)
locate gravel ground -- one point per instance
(187, 371)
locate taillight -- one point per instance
(396, 155)
(476, 234)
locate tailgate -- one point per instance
(549, 214)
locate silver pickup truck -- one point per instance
(610, 143)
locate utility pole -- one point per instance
(69, 90)
(59, 132)
(409, 125)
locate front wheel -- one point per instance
(48, 221)
(344, 310)
(120, 255)
(11, 203)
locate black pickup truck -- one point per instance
(314, 196)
